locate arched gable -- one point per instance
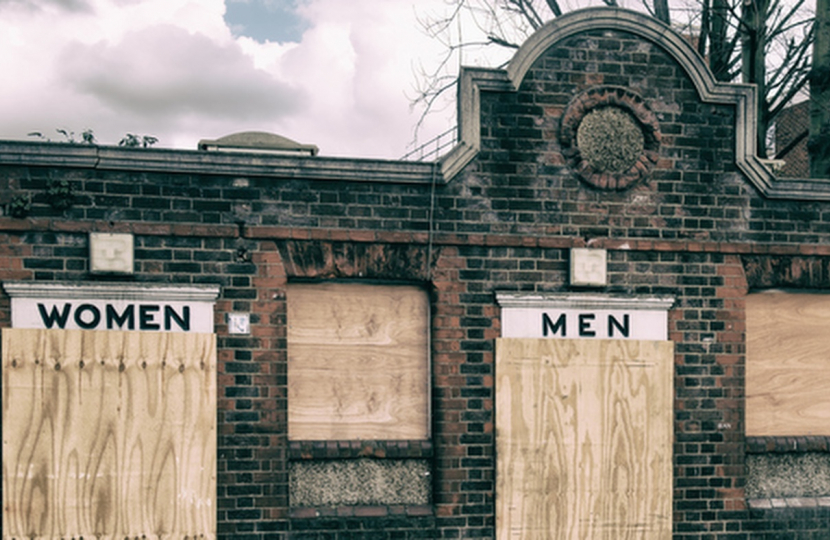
(742, 96)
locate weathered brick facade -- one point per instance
(694, 227)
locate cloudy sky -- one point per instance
(340, 74)
(336, 73)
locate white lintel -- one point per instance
(112, 291)
(582, 301)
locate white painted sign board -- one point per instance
(112, 306)
(573, 316)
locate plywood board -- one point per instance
(357, 362)
(787, 364)
(583, 439)
(108, 434)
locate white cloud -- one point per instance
(36, 5)
(357, 60)
(162, 72)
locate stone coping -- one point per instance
(309, 450)
(143, 160)
(410, 510)
(789, 502)
(791, 444)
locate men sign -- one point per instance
(586, 325)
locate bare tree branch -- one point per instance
(526, 9)
(499, 41)
(661, 11)
(554, 7)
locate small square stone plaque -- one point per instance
(239, 323)
(588, 267)
(110, 253)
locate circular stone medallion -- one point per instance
(610, 137)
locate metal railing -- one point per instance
(433, 148)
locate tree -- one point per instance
(738, 39)
(768, 27)
(87, 136)
(716, 39)
(132, 140)
(819, 144)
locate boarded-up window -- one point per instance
(787, 364)
(108, 434)
(583, 439)
(357, 362)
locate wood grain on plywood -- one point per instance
(357, 362)
(583, 439)
(787, 361)
(108, 434)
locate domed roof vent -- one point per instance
(258, 141)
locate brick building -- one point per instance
(600, 314)
(792, 128)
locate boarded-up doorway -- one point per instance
(108, 434)
(583, 439)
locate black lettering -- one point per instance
(49, 319)
(79, 319)
(170, 315)
(585, 329)
(146, 317)
(126, 317)
(614, 323)
(549, 324)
